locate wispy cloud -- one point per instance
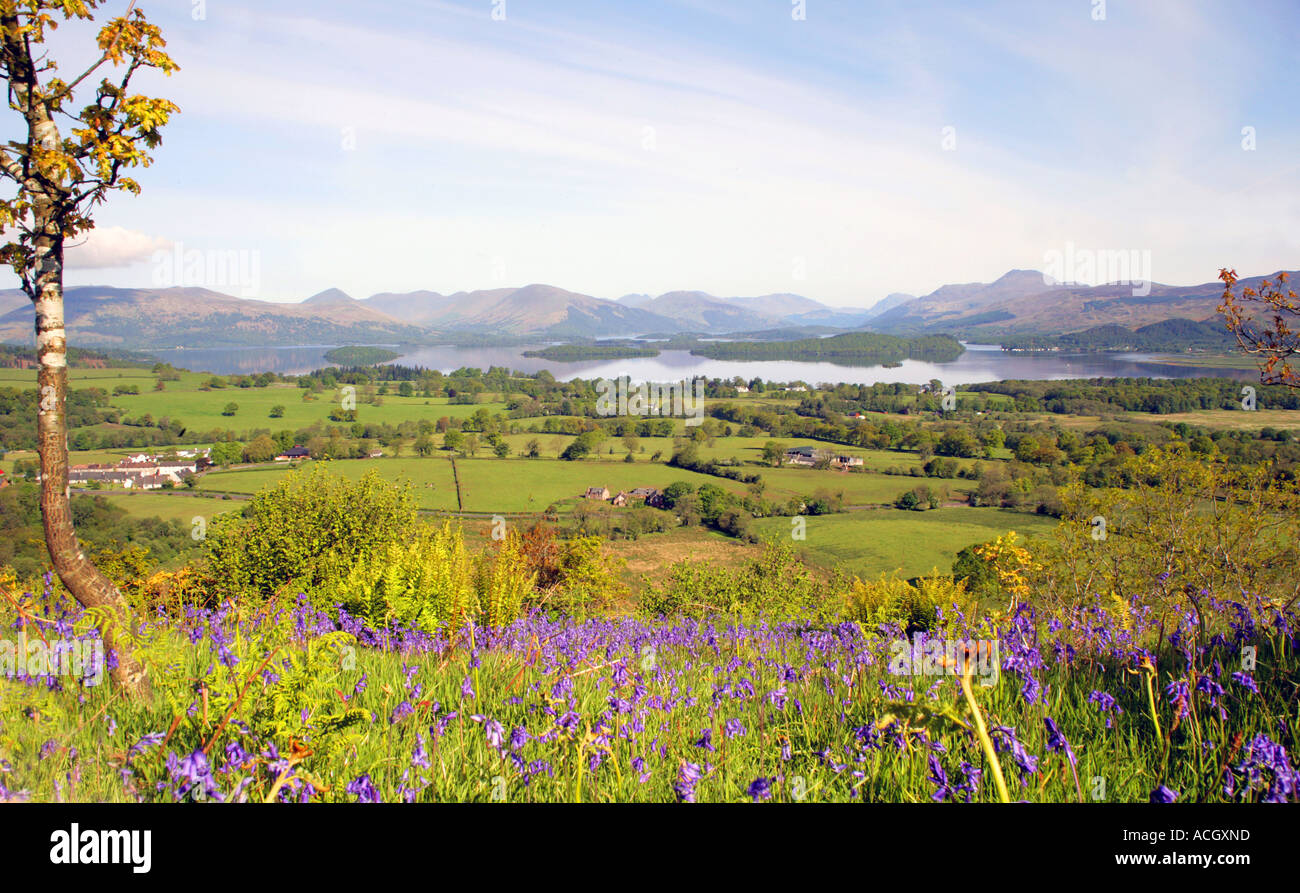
(619, 147)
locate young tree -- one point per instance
(58, 180)
(1266, 322)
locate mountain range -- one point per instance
(1021, 302)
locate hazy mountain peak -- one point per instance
(330, 296)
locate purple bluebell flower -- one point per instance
(760, 789)
(363, 789)
(1163, 794)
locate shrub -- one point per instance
(310, 525)
(890, 600)
(428, 582)
(775, 586)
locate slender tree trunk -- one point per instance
(85, 581)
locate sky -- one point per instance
(839, 150)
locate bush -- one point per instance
(430, 582)
(775, 586)
(890, 600)
(309, 526)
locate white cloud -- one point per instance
(112, 247)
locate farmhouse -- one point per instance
(295, 452)
(804, 455)
(845, 462)
(648, 495)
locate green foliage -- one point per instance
(426, 582)
(978, 574)
(310, 525)
(908, 604)
(775, 586)
(849, 348)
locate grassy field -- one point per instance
(169, 506)
(521, 485)
(1235, 419)
(434, 486)
(203, 409)
(869, 543)
(857, 488)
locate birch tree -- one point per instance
(65, 162)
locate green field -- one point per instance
(169, 506)
(521, 485)
(869, 543)
(431, 478)
(857, 488)
(202, 410)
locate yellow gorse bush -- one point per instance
(891, 599)
(1013, 564)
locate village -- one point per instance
(142, 471)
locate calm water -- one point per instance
(980, 362)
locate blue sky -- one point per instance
(615, 147)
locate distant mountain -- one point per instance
(99, 316)
(889, 302)
(534, 309)
(779, 306)
(1024, 302)
(331, 297)
(1020, 304)
(701, 311)
(13, 298)
(950, 302)
(419, 308)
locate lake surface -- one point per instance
(980, 362)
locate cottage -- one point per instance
(649, 495)
(295, 452)
(621, 499)
(846, 462)
(601, 493)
